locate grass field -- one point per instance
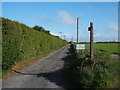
(111, 48)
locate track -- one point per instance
(47, 73)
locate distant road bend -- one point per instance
(47, 73)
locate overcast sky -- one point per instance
(61, 17)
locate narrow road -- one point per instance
(47, 73)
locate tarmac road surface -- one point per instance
(46, 73)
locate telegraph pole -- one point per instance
(77, 28)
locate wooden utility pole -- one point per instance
(91, 40)
(77, 28)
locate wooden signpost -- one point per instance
(91, 40)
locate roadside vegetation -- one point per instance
(81, 72)
(21, 42)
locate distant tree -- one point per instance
(38, 28)
(70, 42)
(48, 32)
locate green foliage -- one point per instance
(81, 72)
(36, 27)
(21, 42)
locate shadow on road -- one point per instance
(56, 77)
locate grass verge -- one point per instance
(81, 72)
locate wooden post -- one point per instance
(91, 41)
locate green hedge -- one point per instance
(21, 42)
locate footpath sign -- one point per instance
(80, 46)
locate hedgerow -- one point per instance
(21, 42)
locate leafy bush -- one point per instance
(21, 42)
